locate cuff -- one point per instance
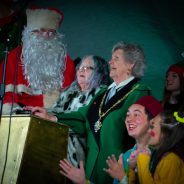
(124, 180)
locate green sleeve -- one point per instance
(77, 120)
(74, 120)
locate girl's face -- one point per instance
(172, 81)
(155, 131)
(137, 122)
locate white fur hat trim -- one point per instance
(42, 18)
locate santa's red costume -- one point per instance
(38, 67)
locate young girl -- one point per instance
(165, 165)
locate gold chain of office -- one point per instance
(101, 114)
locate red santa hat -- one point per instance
(44, 18)
(177, 69)
(151, 104)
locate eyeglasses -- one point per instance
(85, 68)
(44, 32)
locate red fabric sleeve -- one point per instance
(15, 78)
(69, 73)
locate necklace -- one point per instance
(101, 114)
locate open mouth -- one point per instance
(131, 127)
(81, 76)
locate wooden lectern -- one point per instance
(30, 150)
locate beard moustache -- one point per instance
(44, 61)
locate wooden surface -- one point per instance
(34, 150)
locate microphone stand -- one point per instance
(6, 39)
(2, 91)
(2, 84)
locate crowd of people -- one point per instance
(118, 131)
(104, 115)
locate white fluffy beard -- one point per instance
(44, 61)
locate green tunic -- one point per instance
(112, 137)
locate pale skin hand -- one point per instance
(132, 162)
(77, 175)
(41, 112)
(115, 168)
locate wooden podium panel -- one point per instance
(34, 149)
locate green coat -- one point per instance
(111, 138)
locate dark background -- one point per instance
(93, 27)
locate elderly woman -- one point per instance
(92, 74)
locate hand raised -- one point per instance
(77, 175)
(115, 168)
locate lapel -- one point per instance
(93, 113)
(119, 95)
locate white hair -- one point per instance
(44, 61)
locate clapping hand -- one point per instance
(77, 175)
(115, 168)
(132, 161)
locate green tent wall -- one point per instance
(93, 27)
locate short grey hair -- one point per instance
(133, 54)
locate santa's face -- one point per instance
(43, 56)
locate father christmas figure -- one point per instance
(39, 67)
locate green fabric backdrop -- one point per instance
(93, 27)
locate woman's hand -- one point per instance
(115, 168)
(77, 175)
(132, 161)
(41, 112)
